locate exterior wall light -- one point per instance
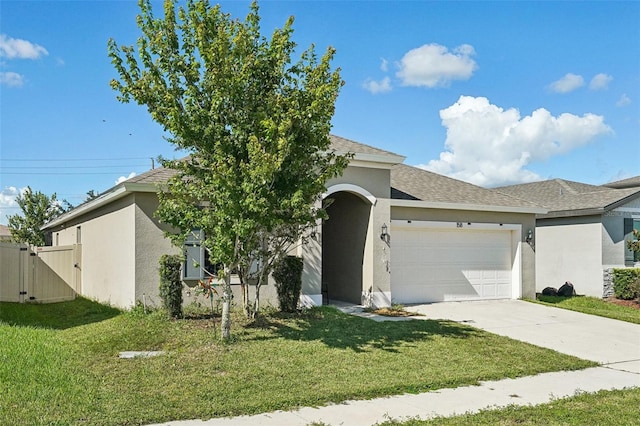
(529, 238)
(384, 234)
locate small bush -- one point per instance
(170, 284)
(626, 283)
(288, 276)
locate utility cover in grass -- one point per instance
(139, 354)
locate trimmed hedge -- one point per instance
(626, 283)
(287, 274)
(170, 284)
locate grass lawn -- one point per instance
(618, 407)
(593, 306)
(59, 363)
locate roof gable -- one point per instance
(624, 183)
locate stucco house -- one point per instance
(584, 233)
(395, 233)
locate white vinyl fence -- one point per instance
(41, 274)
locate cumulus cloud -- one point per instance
(15, 48)
(123, 178)
(375, 87)
(490, 146)
(11, 79)
(8, 204)
(623, 101)
(600, 82)
(568, 83)
(433, 65)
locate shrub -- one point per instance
(288, 276)
(626, 283)
(170, 284)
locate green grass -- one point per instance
(593, 306)
(62, 367)
(618, 407)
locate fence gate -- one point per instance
(44, 275)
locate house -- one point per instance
(585, 232)
(5, 234)
(395, 234)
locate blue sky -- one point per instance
(493, 93)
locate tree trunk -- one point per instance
(225, 322)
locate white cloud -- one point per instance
(568, 83)
(123, 178)
(623, 101)
(15, 48)
(489, 146)
(384, 64)
(8, 204)
(375, 87)
(11, 79)
(600, 82)
(433, 65)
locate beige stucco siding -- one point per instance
(150, 245)
(527, 222)
(376, 181)
(570, 252)
(108, 251)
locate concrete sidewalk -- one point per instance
(614, 344)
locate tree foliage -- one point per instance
(256, 125)
(37, 209)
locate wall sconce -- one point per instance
(529, 238)
(384, 234)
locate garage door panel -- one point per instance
(429, 265)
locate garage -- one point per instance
(448, 261)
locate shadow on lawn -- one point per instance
(338, 330)
(57, 316)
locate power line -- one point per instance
(75, 159)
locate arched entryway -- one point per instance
(344, 240)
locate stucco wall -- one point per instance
(613, 239)
(527, 221)
(150, 245)
(376, 181)
(108, 251)
(572, 252)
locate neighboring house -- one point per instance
(395, 234)
(585, 232)
(5, 234)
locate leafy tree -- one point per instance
(91, 194)
(37, 209)
(634, 244)
(256, 125)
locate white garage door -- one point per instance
(444, 264)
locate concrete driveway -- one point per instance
(613, 343)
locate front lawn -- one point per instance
(619, 407)
(593, 306)
(67, 371)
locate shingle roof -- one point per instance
(159, 175)
(346, 145)
(624, 183)
(412, 183)
(559, 195)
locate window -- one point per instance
(630, 225)
(197, 265)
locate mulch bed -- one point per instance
(627, 303)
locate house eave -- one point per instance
(571, 213)
(461, 206)
(114, 194)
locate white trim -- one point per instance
(355, 189)
(309, 300)
(457, 206)
(456, 225)
(371, 164)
